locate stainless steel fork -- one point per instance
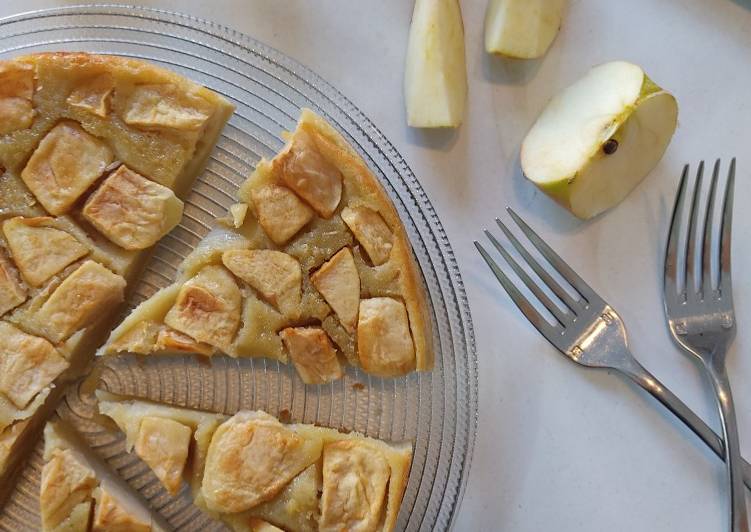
(699, 307)
(586, 329)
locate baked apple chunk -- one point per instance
(93, 95)
(66, 492)
(39, 249)
(208, 307)
(28, 364)
(80, 299)
(250, 459)
(355, 479)
(12, 291)
(166, 106)
(172, 341)
(66, 163)
(259, 525)
(111, 516)
(370, 231)
(383, 338)
(275, 275)
(148, 336)
(132, 211)
(339, 284)
(163, 444)
(312, 353)
(280, 212)
(310, 175)
(16, 92)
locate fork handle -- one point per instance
(721, 383)
(651, 384)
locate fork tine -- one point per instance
(727, 222)
(561, 317)
(691, 252)
(584, 290)
(671, 281)
(707, 251)
(540, 323)
(539, 270)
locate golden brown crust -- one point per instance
(400, 462)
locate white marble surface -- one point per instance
(559, 447)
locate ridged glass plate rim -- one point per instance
(365, 130)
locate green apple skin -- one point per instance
(613, 157)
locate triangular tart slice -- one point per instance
(250, 466)
(313, 265)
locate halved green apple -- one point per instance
(435, 76)
(599, 138)
(523, 29)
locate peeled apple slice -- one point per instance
(435, 78)
(599, 138)
(524, 29)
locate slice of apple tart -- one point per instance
(254, 472)
(76, 495)
(313, 266)
(94, 154)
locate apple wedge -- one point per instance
(523, 29)
(435, 78)
(599, 138)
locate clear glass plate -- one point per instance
(437, 411)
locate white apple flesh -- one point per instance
(599, 138)
(523, 29)
(435, 78)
